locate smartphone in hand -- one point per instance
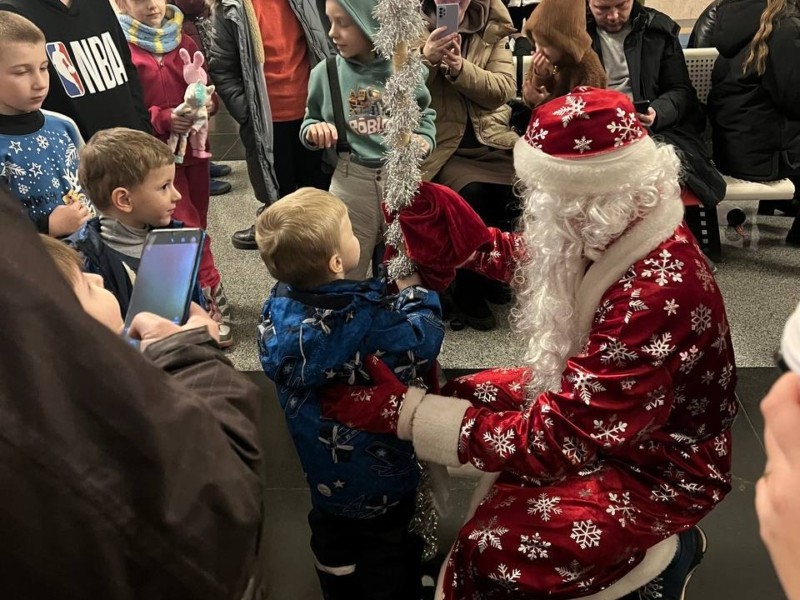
(642, 106)
(167, 274)
(447, 16)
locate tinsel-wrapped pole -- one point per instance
(401, 26)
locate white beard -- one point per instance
(572, 215)
(546, 303)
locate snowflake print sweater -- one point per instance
(595, 479)
(311, 339)
(39, 162)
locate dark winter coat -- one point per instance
(124, 476)
(703, 31)
(756, 120)
(238, 74)
(659, 74)
(308, 340)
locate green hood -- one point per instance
(361, 12)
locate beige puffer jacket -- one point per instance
(482, 89)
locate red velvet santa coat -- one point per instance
(634, 448)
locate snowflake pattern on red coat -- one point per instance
(635, 447)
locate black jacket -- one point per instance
(659, 74)
(703, 31)
(123, 476)
(756, 120)
(92, 79)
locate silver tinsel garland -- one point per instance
(401, 27)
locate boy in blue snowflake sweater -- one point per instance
(316, 328)
(38, 149)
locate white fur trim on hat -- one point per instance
(598, 174)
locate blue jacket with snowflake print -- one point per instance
(39, 162)
(310, 339)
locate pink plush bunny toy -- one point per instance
(194, 106)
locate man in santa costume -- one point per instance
(614, 441)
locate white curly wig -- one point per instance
(573, 210)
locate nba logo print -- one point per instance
(67, 73)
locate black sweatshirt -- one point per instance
(92, 79)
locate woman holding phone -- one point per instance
(471, 78)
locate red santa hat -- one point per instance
(589, 141)
(440, 232)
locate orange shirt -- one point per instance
(286, 64)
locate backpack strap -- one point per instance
(342, 145)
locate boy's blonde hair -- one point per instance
(119, 157)
(16, 29)
(67, 260)
(299, 234)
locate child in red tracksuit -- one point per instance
(153, 31)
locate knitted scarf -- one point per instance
(156, 40)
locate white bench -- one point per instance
(700, 62)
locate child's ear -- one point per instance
(121, 200)
(335, 264)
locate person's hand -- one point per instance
(452, 58)
(180, 124)
(404, 282)
(542, 67)
(533, 94)
(149, 328)
(779, 488)
(422, 144)
(648, 119)
(374, 408)
(322, 135)
(437, 42)
(67, 219)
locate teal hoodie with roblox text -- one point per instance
(362, 86)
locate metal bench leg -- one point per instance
(704, 225)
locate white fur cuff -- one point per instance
(408, 408)
(436, 428)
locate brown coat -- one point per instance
(123, 476)
(589, 72)
(561, 24)
(479, 93)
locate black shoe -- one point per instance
(793, 237)
(472, 310)
(497, 292)
(219, 187)
(217, 170)
(245, 239)
(671, 584)
(787, 208)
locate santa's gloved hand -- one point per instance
(386, 406)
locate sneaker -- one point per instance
(497, 292)
(211, 307)
(217, 304)
(218, 187)
(217, 170)
(221, 300)
(225, 336)
(673, 581)
(473, 311)
(245, 239)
